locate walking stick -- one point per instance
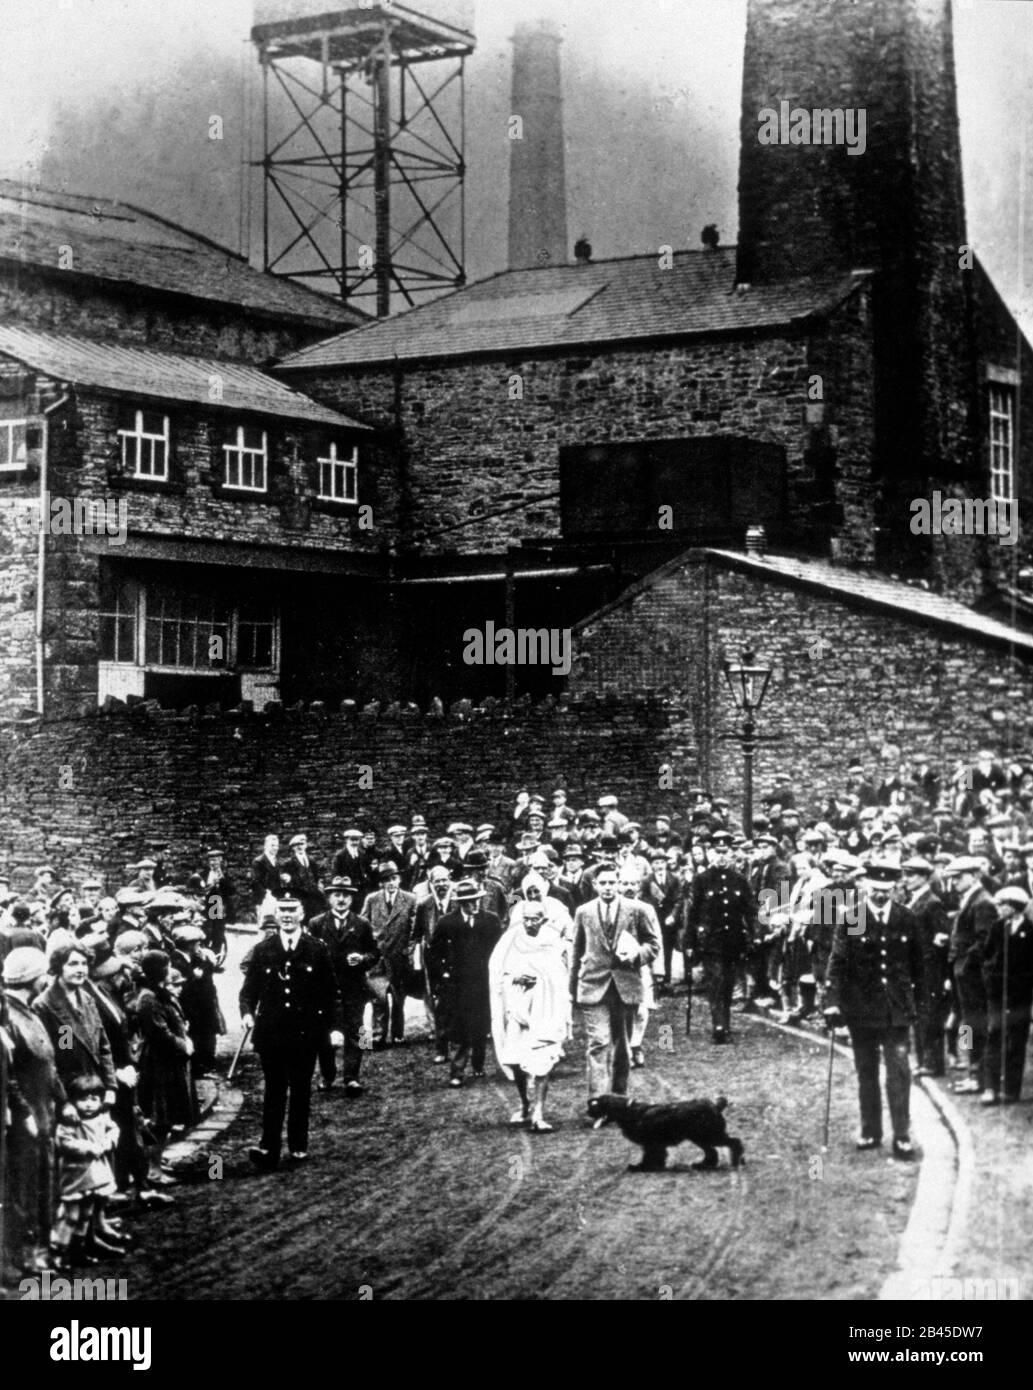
(1006, 928)
(688, 999)
(240, 1046)
(828, 1091)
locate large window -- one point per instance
(247, 457)
(339, 475)
(186, 631)
(119, 607)
(145, 446)
(1002, 442)
(13, 455)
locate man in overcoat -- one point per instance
(288, 998)
(1008, 980)
(391, 913)
(874, 969)
(459, 953)
(353, 951)
(721, 928)
(975, 918)
(934, 938)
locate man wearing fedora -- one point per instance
(391, 912)
(975, 918)
(1008, 981)
(459, 953)
(353, 951)
(874, 971)
(288, 998)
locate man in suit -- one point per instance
(1008, 981)
(613, 938)
(219, 892)
(972, 925)
(351, 861)
(416, 861)
(573, 879)
(353, 951)
(288, 998)
(721, 926)
(663, 890)
(934, 939)
(429, 912)
(495, 899)
(770, 881)
(304, 878)
(266, 875)
(874, 969)
(460, 951)
(500, 865)
(391, 912)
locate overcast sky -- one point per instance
(113, 97)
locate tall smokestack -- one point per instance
(537, 178)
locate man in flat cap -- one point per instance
(351, 861)
(934, 937)
(1008, 981)
(416, 861)
(972, 925)
(288, 999)
(874, 970)
(304, 878)
(720, 929)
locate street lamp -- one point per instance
(748, 681)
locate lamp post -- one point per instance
(748, 681)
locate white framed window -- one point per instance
(256, 637)
(13, 445)
(180, 628)
(247, 459)
(339, 476)
(145, 446)
(1002, 441)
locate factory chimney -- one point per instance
(537, 178)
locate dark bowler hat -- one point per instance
(340, 884)
(389, 869)
(477, 859)
(606, 844)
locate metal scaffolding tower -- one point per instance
(363, 159)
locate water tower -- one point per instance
(363, 115)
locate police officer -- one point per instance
(288, 998)
(874, 970)
(721, 925)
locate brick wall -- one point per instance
(875, 680)
(89, 794)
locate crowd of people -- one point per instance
(900, 911)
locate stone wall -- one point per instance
(61, 302)
(847, 679)
(471, 451)
(91, 794)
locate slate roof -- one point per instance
(167, 376)
(571, 305)
(905, 602)
(118, 242)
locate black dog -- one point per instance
(659, 1127)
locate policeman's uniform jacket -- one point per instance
(875, 968)
(291, 1000)
(722, 914)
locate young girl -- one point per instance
(85, 1146)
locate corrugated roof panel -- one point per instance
(166, 375)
